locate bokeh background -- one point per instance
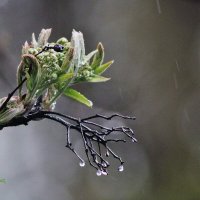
(156, 77)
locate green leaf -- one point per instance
(65, 77)
(102, 68)
(2, 180)
(89, 56)
(98, 57)
(29, 68)
(97, 78)
(77, 96)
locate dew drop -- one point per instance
(104, 164)
(90, 102)
(104, 173)
(96, 160)
(99, 172)
(107, 154)
(134, 140)
(53, 105)
(121, 168)
(82, 164)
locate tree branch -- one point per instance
(47, 80)
(96, 138)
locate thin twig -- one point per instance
(96, 138)
(10, 95)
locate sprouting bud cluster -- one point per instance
(51, 73)
(49, 70)
(50, 61)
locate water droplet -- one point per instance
(107, 154)
(104, 164)
(99, 172)
(53, 105)
(121, 168)
(82, 164)
(105, 173)
(96, 160)
(134, 140)
(90, 102)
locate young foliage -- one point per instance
(77, 96)
(49, 70)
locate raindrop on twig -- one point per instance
(134, 140)
(104, 173)
(99, 172)
(121, 168)
(82, 164)
(107, 153)
(104, 164)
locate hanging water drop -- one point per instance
(82, 164)
(99, 172)
(104, 173)
(104, 164)
(134, 140)
(96, 160)
(121, 168)
(107, 154)
(53, 105)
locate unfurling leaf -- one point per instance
(10, 113)
(43, 37)
(98, 57)
(77, 96)
(89, 56)
(97, 78)
(29, 68)
(102, 68)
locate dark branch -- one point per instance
(96, 138)
(3, 106)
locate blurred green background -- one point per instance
(156, 77)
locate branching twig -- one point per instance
(51, 70)
(96, 138)
(3, 106)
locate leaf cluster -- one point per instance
(49, 70)
(54, 73)
(48, 74)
